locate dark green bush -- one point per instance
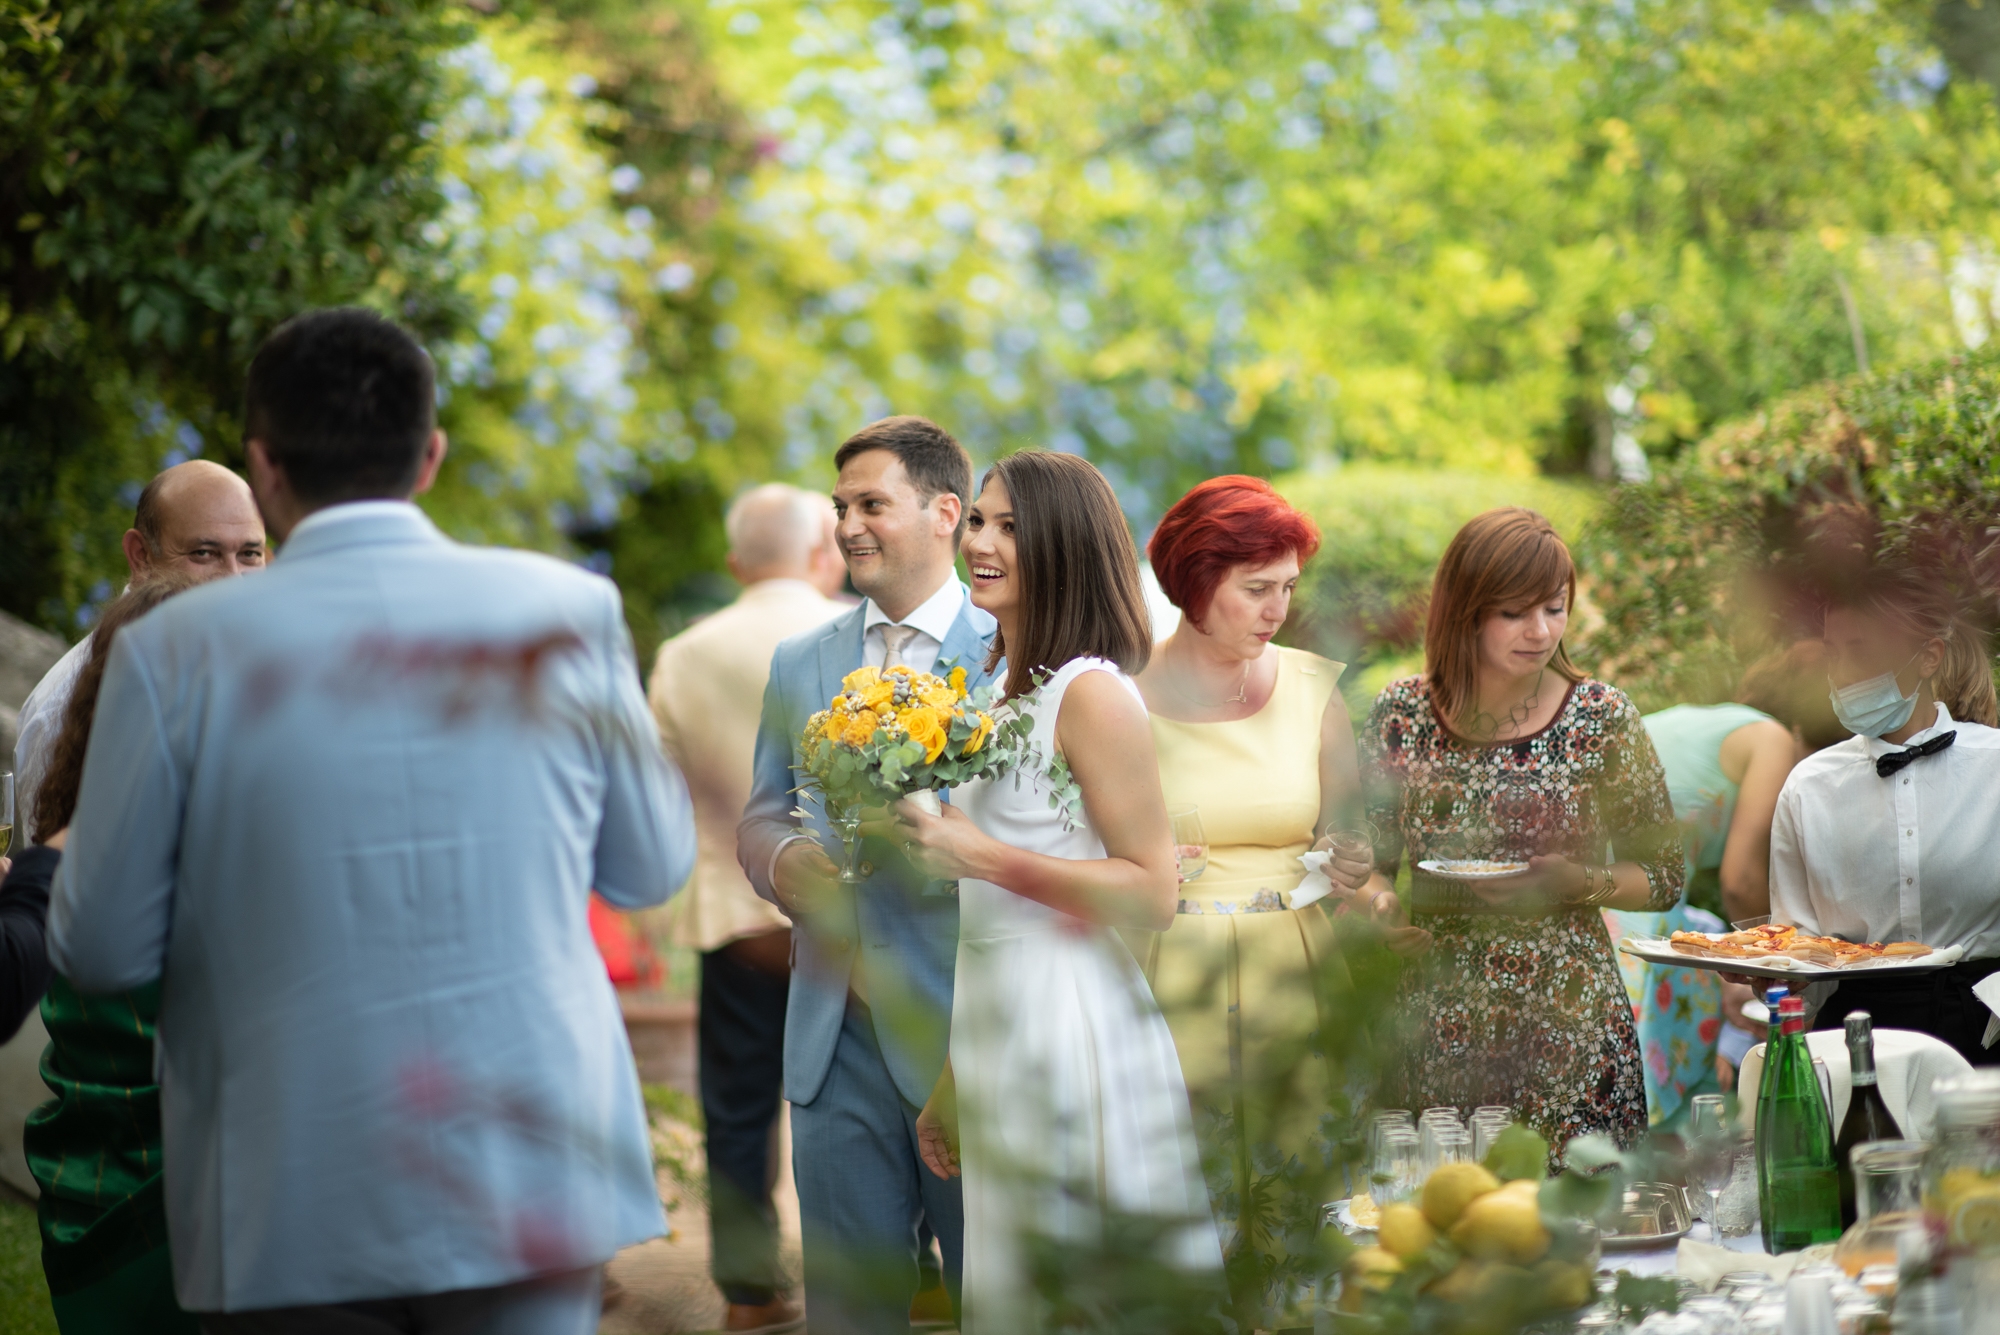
(1690, 577)
(177, 176)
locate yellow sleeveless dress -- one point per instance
(1248, 986)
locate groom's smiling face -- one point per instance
(898, 545)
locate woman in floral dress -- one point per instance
(1502, 750)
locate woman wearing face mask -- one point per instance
(1889, 835)
(1256, 739)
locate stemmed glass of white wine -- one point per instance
(6, 813)
(1190, 844)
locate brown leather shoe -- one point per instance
(777, 1317)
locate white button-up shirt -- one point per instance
(1906, 858)
(932, 621)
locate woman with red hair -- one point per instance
(1255, 739)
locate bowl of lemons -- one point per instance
(1479, 1247)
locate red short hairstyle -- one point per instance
(1225, 522)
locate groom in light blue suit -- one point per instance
(870, 1009)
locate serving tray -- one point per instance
(1658, 950)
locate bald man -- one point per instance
(196, 517)
(707, 691)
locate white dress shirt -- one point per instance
(1906, 858)
(40, 724)
(932, 621)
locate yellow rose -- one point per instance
(877, 695)
(860, 679)
(859, 729)
(938, 696)
(927, 729)
(958, 682)
(979, 735)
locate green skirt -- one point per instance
(137, 1297)
(95, 1151)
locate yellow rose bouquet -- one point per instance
(896, 732)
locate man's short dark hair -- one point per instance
(345, 402)
(935, 462)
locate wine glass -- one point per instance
(1190, 844)
(6, 812)
(1711, 1152)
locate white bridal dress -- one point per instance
(1070, 1096)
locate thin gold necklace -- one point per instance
(1242, 696)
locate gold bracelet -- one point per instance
(1595, 897)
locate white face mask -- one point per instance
(1876, 706)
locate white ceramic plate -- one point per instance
(1471, 869)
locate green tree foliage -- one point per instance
(175, 177)
(1692, 576)
(1187, 238)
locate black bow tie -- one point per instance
(1888, 764)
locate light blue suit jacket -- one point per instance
(351, 808)
(906, 925)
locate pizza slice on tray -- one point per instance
(1774, 939)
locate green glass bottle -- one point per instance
(1798, 1184)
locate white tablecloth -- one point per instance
(1906, 1063)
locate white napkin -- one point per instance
(1987, 990)
(1705, 1263)
(1316, 885)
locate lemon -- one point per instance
(1974, 1220)
(1369, 1270)
(1465, 1283)
(1504, 1225)
(1564, 1286)
(1451, 1188)
(1404, 1230)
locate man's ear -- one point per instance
(950, 510)
(137, 557)
(427, 471)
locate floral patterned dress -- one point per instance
(1530, 1012)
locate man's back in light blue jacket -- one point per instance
(352, 808)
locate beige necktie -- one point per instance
(895, 639)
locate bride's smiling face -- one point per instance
(988, 549)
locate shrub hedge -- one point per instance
(1383, 528)
(1690, 577)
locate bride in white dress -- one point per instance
(1063, 1095)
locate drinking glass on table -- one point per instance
(1190, 844)
(1487, 1124)
(1711, 1152)
(1397, 1171)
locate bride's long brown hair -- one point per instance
(1079, 570)
(55, 799)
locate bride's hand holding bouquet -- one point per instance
(894, 737)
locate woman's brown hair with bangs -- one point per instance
(1502, 560)
(1079, 571)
